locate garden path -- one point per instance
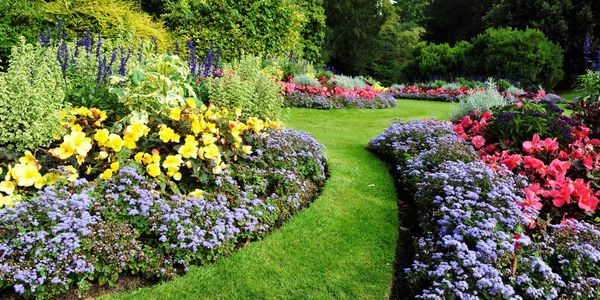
(342, 246)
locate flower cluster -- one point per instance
(476, 241)
(75, 233)
(562, 174)
(192, 141)
(327, 95)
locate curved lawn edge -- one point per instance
(342, 246)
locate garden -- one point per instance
(171, 149)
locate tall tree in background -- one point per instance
(353, 26)
(566, 22)
(450, 21)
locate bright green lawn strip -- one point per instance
(343, 246)
(569, 95)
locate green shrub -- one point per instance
(304, 79)
(238, 27)
(18, 18)
(438, 60)
(313, 29)
(348, 82)
(245, 86)
(480, 101)
(525, 55)
(112, 18)
(32, 95)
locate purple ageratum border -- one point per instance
(299, 99)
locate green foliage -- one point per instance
(589, 84)
(450, 21)
(154, 87)
(313, 29)
(282, 66)
(519, 123)
(526, 55)
(394, 46)
(480, 101)
(438, 60)
(348, 82)
(305, 80)
(32, 96)
(18, 18)
(244, 27)
(112, 18)
(245, 86)
(587, 108)
(566, 22)
(353, 26)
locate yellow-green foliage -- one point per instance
(247, 87)
(112, 18)
(32, 96)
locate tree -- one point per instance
(353, 26)
(566, 22)
(449, 21)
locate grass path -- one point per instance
(342, 246)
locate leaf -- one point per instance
(137, 76)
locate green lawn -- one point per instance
(570, 95)
(343, 246)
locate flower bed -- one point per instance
(476, 241)
(423, 92)
(326, 94)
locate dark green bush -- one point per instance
(525, 55)
(18, 18)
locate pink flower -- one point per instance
(531, 197)
(512, 161)
(478, 141)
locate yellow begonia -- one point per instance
(167, 134)
(28, 158)
(256, 124)
(114, 166)
(115, 142)
(247, 149)
(101, 137)
(25, 174)
(8, 200)
(208, 139)
(107, 174)
(72, 173)
(7, 187)
(190, 148)
(210, 152)
(102, 155)
(175, 114)
(133, 133)
(153, 169)
(75, 143)
(197, 193)
(138, 157)
(191, 103)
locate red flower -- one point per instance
(478, 141)
(559, 168)
(531, 197)
(529, 146)
(588, 162)
(512, 161)
(534, 163)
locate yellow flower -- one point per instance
(74, 143)
(211, 152)
(138, 157)
(101, 137)
(217, 169)
(107, 174)
(167, 134)
(72, 173)
(176, 176)
(28, 158)
(175, 114)
(26, 175)
(76, 127)
(7, 201)
(256, 124)
(191, 103)
(208, 139)
(102, 155)
(275, 124)
(153, 169)
(197, 193)
(172, 162)
(247, 149)
(114, 166)
(7, 187)
(190, 148)
(115, 142)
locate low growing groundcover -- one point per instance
(342, 246)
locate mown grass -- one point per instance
(342, 246)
